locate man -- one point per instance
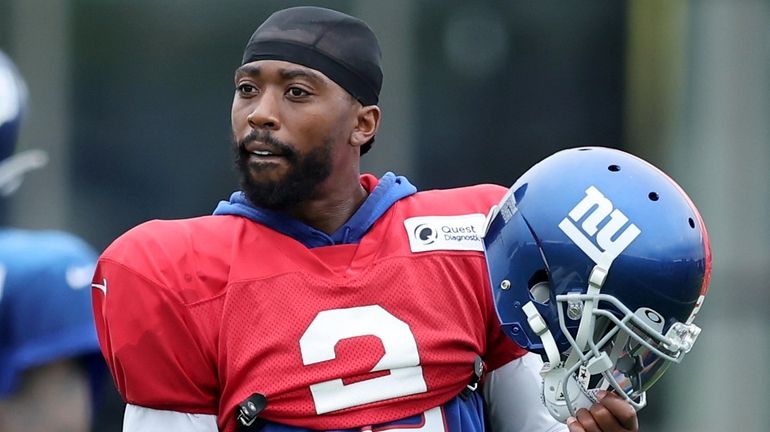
(49, 353)
(317, 298)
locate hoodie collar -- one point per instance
(383, 193)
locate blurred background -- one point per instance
(132, 101)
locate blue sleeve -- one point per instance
(45, 301)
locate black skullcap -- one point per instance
(340, 46)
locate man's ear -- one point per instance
(367, 123)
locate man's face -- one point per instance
(290, 124)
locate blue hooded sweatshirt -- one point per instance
(390, 189)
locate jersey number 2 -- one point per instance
(400, 358)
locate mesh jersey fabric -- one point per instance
(222, 306)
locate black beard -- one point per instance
(300, 182)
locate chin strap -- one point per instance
(564, 382)
(538, 325)
(540, 328)
(585, 329)
(562, 394)
(556, 374)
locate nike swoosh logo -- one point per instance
(102, 286)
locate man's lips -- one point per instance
(262, 153)
(262, 149)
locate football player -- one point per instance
(317, 298)
(49, 353)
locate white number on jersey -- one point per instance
(400, 358)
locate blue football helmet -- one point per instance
(13, 99)
(599, 262)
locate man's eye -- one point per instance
(297, 92)
(246, 88)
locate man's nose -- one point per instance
(265, 112)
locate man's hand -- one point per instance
(610, 414)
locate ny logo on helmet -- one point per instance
(597, 243)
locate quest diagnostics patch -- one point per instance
(428, 233)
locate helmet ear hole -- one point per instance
(540, 287)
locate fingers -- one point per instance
(574, 425)
(596, 420)
(616, 411)
(610, 414)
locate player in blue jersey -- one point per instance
(49, 363)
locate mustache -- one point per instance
(276, 146)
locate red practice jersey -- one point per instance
(196, 315)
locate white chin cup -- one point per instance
(556, 400)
